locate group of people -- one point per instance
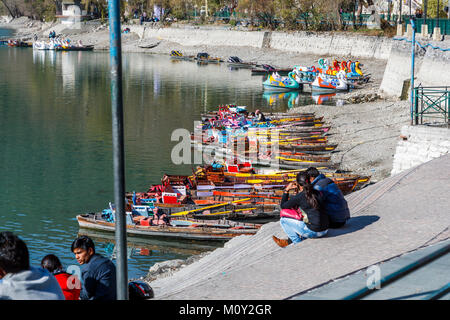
(318, 206)
(144, 18)
(21, 281)
(52, 35)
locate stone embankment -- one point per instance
(310, 43)
(420, 144)
(432, 67)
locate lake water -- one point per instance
(6, 33)
(55, 138)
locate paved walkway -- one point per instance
(400, 214)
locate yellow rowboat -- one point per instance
(288, 141)
(298, 160)
(188, 229)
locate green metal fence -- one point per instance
(432, 103)
(444, 24)
(347, 18)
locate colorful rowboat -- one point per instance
(183, 229)
(177, 55)
(236, 62)
(275, 82)
(203, 57)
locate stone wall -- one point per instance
(332, 44)
(431, 67)
(194, 36)
(420, 144)
(318, 43)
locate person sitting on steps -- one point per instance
(336, 206)
(314, 222)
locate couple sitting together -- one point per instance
(318, 206)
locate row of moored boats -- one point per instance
(255, 157)
(325, 77)
(54, 44)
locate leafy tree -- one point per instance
(432, 8)
(259, 11)
(42, 9)
(289, 11)
(99, 7)
(14, 8)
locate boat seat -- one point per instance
(141, 210)
(129, 218)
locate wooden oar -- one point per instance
(229, 194)
(258, 181)
(296, 160)
(182, 213)
(223, 212)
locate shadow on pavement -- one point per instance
(352, 225)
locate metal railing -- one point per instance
(431, 103)
(442, 23)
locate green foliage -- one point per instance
(432, 8)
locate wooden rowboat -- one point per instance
(186, 229)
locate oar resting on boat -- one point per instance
(183, 213)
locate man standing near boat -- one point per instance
(98, 273)
(335, 204)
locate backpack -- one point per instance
(139, 290)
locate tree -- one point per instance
(98, 7)
(42, 9)
(289, 11)
(14, 8)
(262, 11)
(432, 8)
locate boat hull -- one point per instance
(274, 88)
(187, 233)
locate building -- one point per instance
(72, 12)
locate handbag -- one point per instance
(296, 214)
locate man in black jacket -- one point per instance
(98, 273)
(335, 204)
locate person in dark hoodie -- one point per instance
(19, 280)
(335, 204)
(98, 274)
